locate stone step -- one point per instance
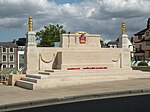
(61, 84)
(44, 73)
(43, 80)
(29, 79)
(75, 78)
(59, 79)
(93, 71)
(66, 83)
(25, 84)
(48, 70)
(90, 78)
(57, 83)
(38, 76)
(69, 81)
(96, 74)
(28, 83)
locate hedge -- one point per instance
(142, 64)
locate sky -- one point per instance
(102, 17)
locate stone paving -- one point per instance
(12, 94)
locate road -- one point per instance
(12, 98)
(139, 103)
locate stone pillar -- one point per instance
(126, 59)
(124, 42)
(31, 54)
(64, 40)
(127, 48)
(31, 38)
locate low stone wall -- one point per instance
(41, 58)
(48, 58)
(142, 68)
(95, 58)
(13, 78)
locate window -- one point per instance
(4, 58)
(147, 33)
(11, 66)
(4, 50)
(11, 57)
(11, 50)
(4, 66)
(140, 47)
(147, 43)
(139, 37)
(140, 58)
(21, 61)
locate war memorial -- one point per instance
(78, 76)
(79, 60)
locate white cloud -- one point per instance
(99, 16)
(10, 22)
(121, 9)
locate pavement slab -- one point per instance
(13, 94)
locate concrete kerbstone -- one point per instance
(61, 100)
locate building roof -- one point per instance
(8, 44)
(142, 32)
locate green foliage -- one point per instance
(142, 64)
(102, 43)
(50, 34)
(132, 59)
(6, 71)
(21, 42)
(9, 71)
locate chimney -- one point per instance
(148, 23)
(14, 41)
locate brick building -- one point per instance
(141, 41)
(8, 55)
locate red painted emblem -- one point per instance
(82, 39)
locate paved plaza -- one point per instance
(13, 94)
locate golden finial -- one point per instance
(123, 27)
(30, 23)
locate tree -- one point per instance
(21, 41)
(102, 43)
(50, 34)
